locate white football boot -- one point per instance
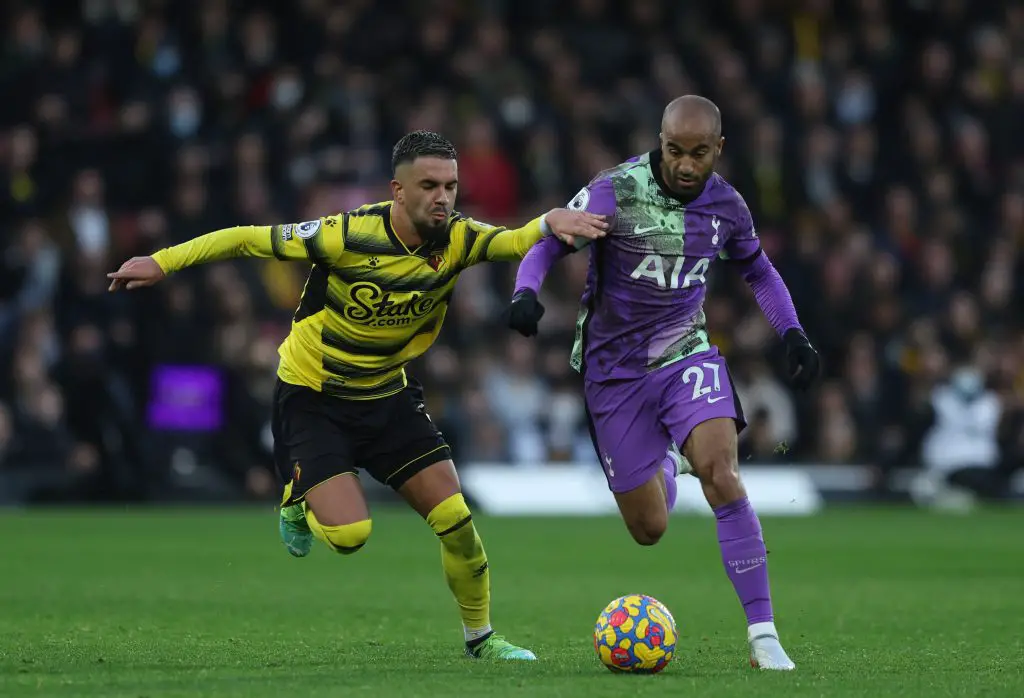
(765, 649)
(683, 466)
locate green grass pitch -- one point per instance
(206, 602)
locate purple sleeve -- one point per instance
(742, 242)
(743, 248)
(538, 262)
(599, 198)
(770, 292)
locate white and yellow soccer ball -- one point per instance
(635, 634)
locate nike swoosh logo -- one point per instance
(637, 230)
(713, 400)
(747, 569)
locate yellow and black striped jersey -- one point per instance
(370, 305)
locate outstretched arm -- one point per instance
(320, 241)
(491, 244)
(486, 243)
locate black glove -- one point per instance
(525, 312)
(804, 364)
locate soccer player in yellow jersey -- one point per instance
(375, 299)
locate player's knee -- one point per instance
(347, 538)
(648, 529)
(718, 469)
(452, 522)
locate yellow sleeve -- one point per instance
(320, 241)
(487, 243)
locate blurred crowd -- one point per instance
(879, 145)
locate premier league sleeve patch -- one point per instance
(308, 229)
(580, 201)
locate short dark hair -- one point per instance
(421, 144)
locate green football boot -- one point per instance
(497, 647)
(295, 533)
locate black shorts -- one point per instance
(317, 437)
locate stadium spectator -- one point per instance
(878, 145)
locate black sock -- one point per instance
(473, 644)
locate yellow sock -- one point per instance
(465, 564)
(343, 538)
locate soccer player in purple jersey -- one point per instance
(652, 380)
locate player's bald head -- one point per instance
(692, 114)
(691, 142)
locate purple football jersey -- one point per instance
(643, 303)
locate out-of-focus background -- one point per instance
(879, 145)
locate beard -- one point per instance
(431, 230)
(694, 189)
(689, 190)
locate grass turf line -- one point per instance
(207, 602)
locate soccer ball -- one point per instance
(635, 634)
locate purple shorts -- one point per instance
(633, 422)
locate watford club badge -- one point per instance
(435, 261)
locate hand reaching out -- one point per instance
(137, 272)
(568, 225)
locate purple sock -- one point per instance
(671, 488)
(745, 558)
